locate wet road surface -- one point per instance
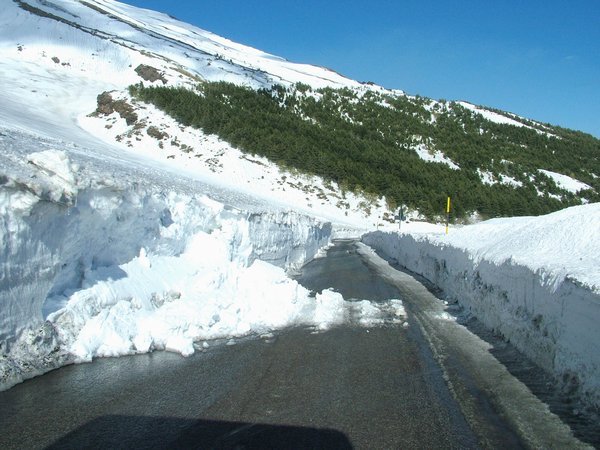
(348, 387)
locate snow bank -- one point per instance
(534, 280)
(120, 264)
(103, 256)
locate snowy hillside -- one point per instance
(105, 37)
(73, 51)
(81, 49)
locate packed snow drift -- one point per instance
(534, 280)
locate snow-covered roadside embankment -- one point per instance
(551, 315)
(121, 265)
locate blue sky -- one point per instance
(539, 59)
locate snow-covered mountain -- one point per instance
(59, 56)
(63, 53)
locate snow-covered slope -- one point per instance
(111, 36)
(534, 280)
(565, 182)
(58, 56)
(61, 54)
(506, 118)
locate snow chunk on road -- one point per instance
(166, 302)
(329, 309)
(171, 303)
(332, 310)
(379, 313)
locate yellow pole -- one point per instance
(447, 214)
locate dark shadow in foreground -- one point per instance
(161, 432)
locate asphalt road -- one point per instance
(349, 387)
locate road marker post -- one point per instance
(447, 214)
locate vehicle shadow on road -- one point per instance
(116, 431)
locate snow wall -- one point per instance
(85, 248)
(554, 324)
